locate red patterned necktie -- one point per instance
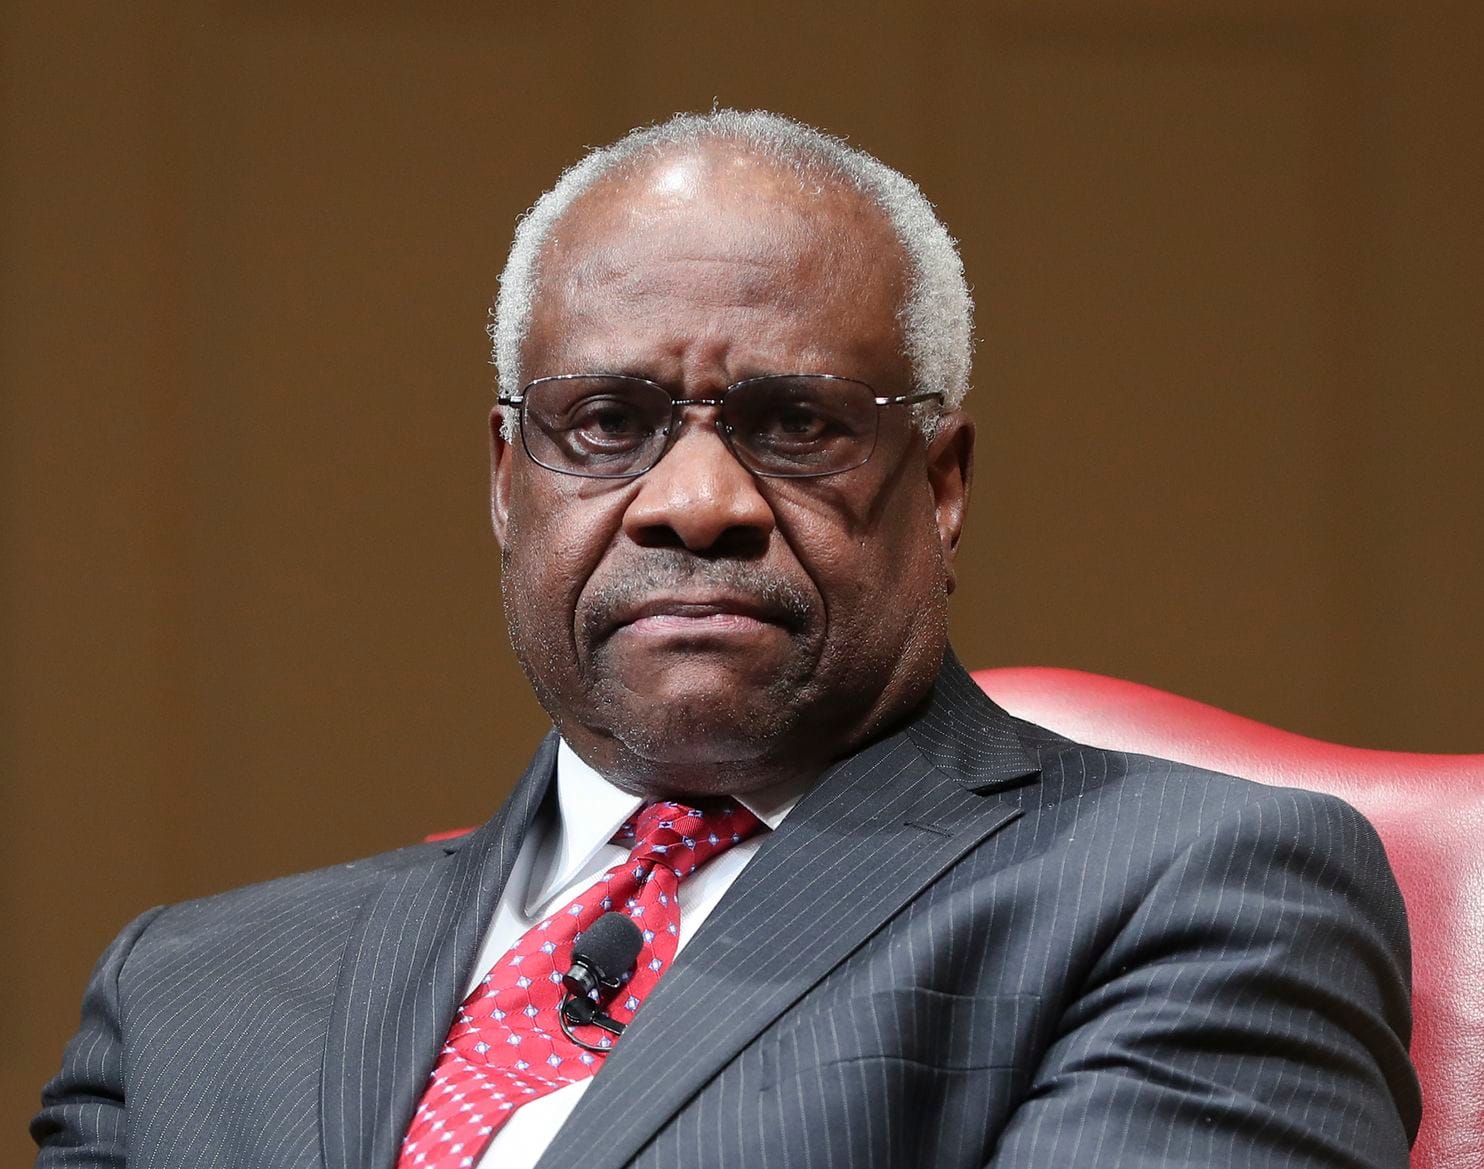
(506, 1046)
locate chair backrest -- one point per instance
(1428, 810)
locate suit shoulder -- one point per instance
(1087, 763)
(1070, 769)
(968, 736)
(329, 891)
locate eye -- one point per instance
(801, 424)
(798, 421)
(601, 425)
(608, 417)
(786, 419)
(607, 423)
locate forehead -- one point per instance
(716, 246)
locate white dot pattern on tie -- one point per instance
(506, 1046)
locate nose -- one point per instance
(699, 497)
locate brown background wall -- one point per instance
(1227, 257)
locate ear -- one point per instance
(950, 466)
(502, 460)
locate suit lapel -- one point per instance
(403, 974)
(875, 831)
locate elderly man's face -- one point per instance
(699, 628)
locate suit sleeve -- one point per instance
(83, 1117)
(1251, 1009)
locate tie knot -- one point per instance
(683, 838)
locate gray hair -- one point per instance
(936, 314)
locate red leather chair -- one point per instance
(1428, 810)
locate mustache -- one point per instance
(665, 571)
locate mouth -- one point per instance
(699, 616)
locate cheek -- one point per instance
(875, 556)
(554, 541)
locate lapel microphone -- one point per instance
(603, 955)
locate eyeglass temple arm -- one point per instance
(909, 399)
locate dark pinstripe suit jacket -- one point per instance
(972, 943)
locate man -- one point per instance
(730, 470)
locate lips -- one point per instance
(667, 588)
(698, 612)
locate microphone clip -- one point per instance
(581, 1011)
(602, 957)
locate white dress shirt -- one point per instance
(561, 856)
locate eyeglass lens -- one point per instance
(612, 427)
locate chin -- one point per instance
(701, 739)
(702, 730)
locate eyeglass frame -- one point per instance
(724, 432)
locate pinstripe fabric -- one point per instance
(973, 943)
(285, 1024)
(404, 975)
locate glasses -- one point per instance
(785, 426)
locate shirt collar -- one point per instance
(591, 810)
